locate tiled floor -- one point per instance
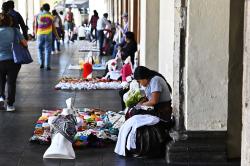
(35, 91)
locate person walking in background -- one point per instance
(62, 33)
(45, 28)
(8, 69)
(17, 19)
(93, 24)
(58, 25)
(69, 23)
(35, 23)
(101, 25)
(123, 30)
(129, 48)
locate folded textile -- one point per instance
(127, 133)
(66, 126)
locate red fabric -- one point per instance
(93, 21)
(87, 69)
(126, 71)
(69, 17)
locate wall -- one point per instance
(149, 43)
(166, 39)
(245, 145)
(207, 57)
(1, 2)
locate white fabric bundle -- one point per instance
(61, 147)
(128, 132)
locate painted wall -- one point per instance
(166, 39)
(207, 57)
(149, 44)
(245, 143)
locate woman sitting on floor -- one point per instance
(129, 48)
(157, 90)
(146, 131)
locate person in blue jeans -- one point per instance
(8, 69)
(45, 28)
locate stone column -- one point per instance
(205, 83)
(149, 44)
(207, 65)
(166, 39)
(22, 8)
(245, 143)
(37, 6)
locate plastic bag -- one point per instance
(132, 97)
(64, 129)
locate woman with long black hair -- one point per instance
(157, 90)
(145, 132)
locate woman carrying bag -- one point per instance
(8, 68)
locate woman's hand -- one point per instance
(24, 43)
(154, 100)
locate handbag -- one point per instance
(21, 55)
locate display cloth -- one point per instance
(70, 83)
(95, 127)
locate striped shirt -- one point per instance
(44, 23)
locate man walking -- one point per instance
(45, 28)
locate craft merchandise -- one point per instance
(127, 134)
(95, 127)
(63, 129)
(68, 83)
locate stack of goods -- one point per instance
(88, 48)
(94, 127)
(69, 83)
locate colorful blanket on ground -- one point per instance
(68, 83)
(94, 127)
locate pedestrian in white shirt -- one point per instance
(101, 24)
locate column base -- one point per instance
(199, 146)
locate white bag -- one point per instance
(61, 147)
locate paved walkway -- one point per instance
(35, 91)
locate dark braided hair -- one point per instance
(141, 72)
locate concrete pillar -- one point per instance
(37, 6)
(245, 143)
(22, 8)
(206, 82)
(149, 44)
(200, 82)
(166, 39)
(30, 14)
